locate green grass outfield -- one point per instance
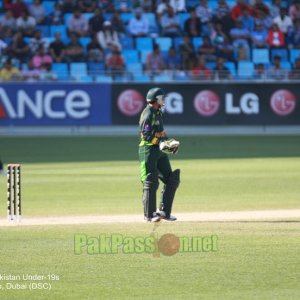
(99, 175)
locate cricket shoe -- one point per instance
(155, 218)
(163, 216)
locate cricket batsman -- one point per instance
(154, 149)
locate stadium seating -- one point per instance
(260, 56)
(78, 69)
(48, 6)
(164, 43)
(126, 42)
(144, 43)
(59, 28)
(103, 78)
(130, 56)
(96, 68)
(245, 69)
(135, 68)
(61, 69)
(283, 53)
(294, 54)
(142, 78)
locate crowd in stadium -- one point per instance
(146, 40)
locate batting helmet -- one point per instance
(153, 94)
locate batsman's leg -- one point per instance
(171, 181)
(149, 177)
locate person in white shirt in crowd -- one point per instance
(178, 5)
(283, 20)
(37, 10)
(78, 24)
(139, 25)
(8, 24)
(204, 12)
(26, 24)
(108, 37)
(37, 41)
(170, 24)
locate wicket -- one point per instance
(14, 202)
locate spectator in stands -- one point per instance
(162, 8)
(3, 48)
(172, 60)
(283, 20)
(170, 25)
(223, 8)
(74, 50)
(56, 17)
(240, 36)
(67, 6)
(242, 54)
(260, 6)
(37, 10)
(220, 35)
(117, 24)
(259, 37)
(296, 36)
(276, 37)
(204, 12)
(42, 57)
(47, 74)
(96, 22)
(78, 24)
(187, 53)
(30, 73)
(276, 72)
(290, 37)
(294, 10)
(26, 24)
(200, 71)
(19, 48)
(138, 25)
(87, 6)
(9, 72)
(259, 72)
(275, 9)
(178, 6)
(106, 5)
(95, 52)
(192, 26)
(115, 63)
(226, 22)
(210, 31)
(37, 41)
(57, 49)
(238, 9)
(8, 24)
(221, 72)
(225, 49)
(108, 38)
(295, 73)
(207, 50)
(264, 20)
(18, 7)
(154, 62)
(247, 20)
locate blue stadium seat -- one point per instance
(144, 55)
(153, 27)
(197, 41)
(231, 67)
(213, 4)
(294, 54)
(78, 69)
(86, 78)
(67, 16)
(61, 69)
(103, 78)
(135, 68)
(210, 65)
(177, 42)
(142, 78)
(126, 42)
(164, 43)
(48, 6)
(96, 68)
(84, 41)
(283, 53)
(125, 17)
(61, 29)
(130, 56)
(44, 30)
(260, 56)
(88, 16)
(286, 65)
(182, 18)
(245, 69)
(231, 3)
(144, 43)
(163, 78)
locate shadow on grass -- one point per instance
(88, 149)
